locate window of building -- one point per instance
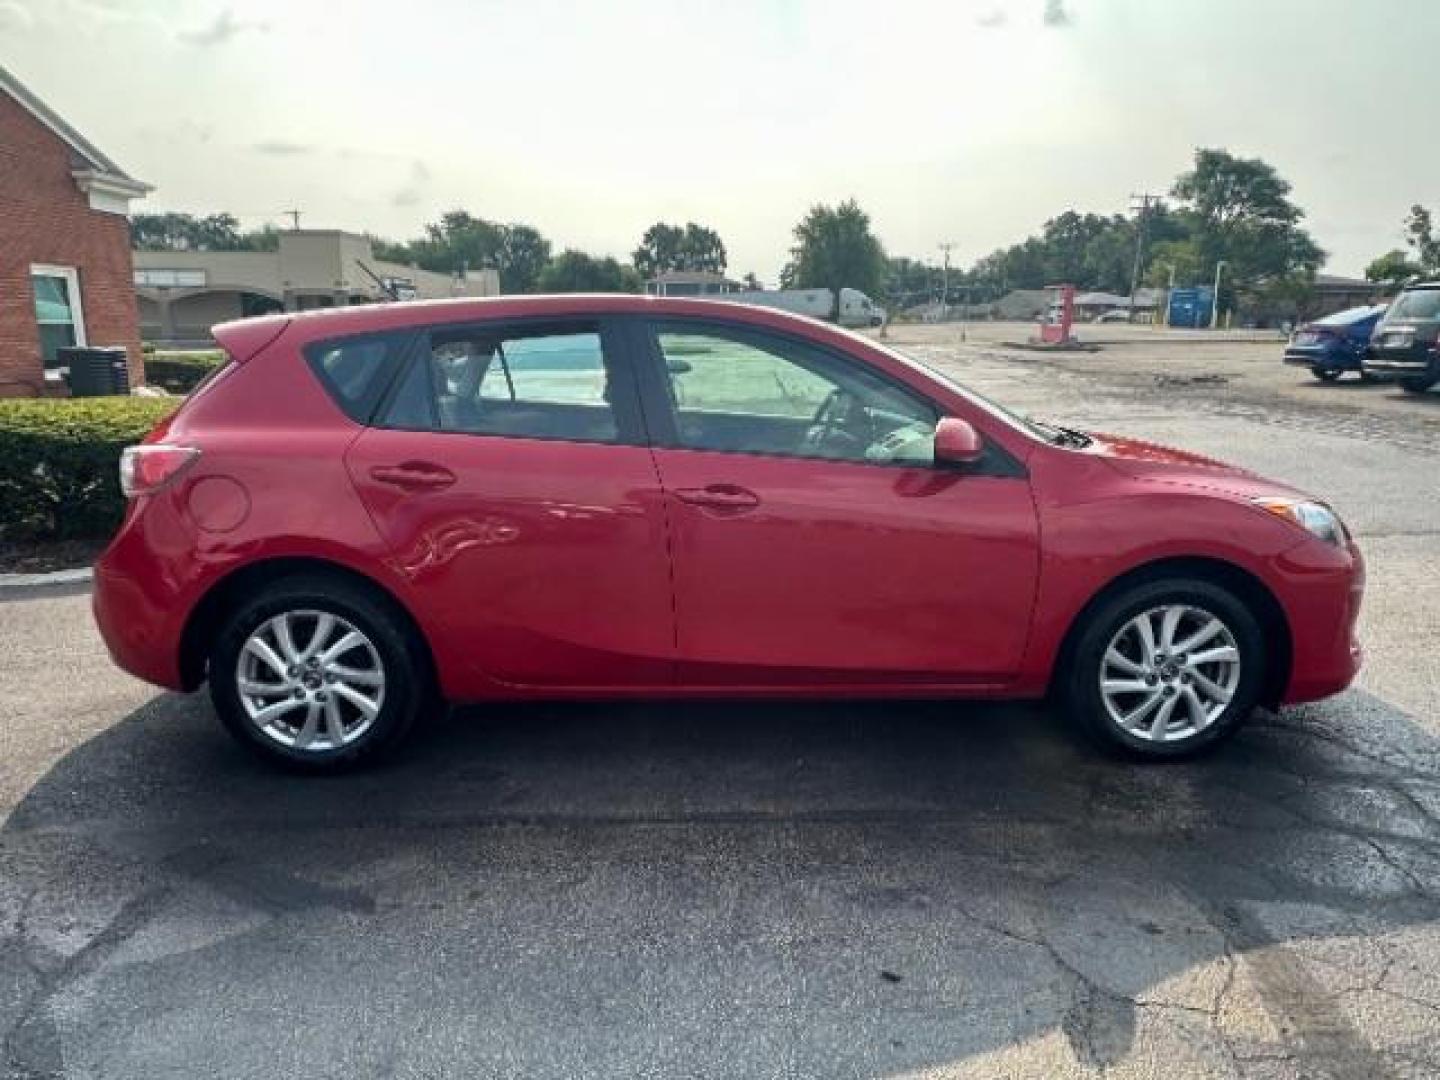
(170, 279)
(58, 313)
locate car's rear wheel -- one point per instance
(317, 673)
(1326, 374)
(1166, 669)
(1416, 386)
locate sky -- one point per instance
(969, 122)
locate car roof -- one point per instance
(325, 323)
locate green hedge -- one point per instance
(178, 372)
(59, 462)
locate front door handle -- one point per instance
(727, 498)
(414, 475)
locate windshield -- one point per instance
(1416, 304)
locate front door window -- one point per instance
(57, 311)
(736, 392)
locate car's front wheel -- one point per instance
(1417, 386)
(1166, 669)
(317, 673)
(1326, 374)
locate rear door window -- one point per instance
(550, 381)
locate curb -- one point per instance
(9, 582)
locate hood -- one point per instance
(1163, 464)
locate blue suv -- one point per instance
(1331, 346)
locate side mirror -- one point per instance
(957, 442)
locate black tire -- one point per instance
(1081, 696)
(1417, 386)
(1325, 374)
(408, 684)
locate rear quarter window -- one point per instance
(355, 372)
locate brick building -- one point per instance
(65, 267)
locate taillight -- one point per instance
(146, 469)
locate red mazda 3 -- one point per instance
(369, 511)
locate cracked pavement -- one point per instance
(748, 890)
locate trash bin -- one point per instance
(96, 372)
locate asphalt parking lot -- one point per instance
(756, 890)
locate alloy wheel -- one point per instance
(310, 680)
(1169, 673)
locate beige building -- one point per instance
(181, 294)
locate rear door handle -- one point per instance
(728, 498)
(414, 475)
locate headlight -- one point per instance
(1315, 518)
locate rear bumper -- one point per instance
(139, 607)
(1324, 588)
(1414, 363)
(1325, 359)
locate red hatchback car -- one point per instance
(368, 511)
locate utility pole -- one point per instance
(294, 216)
(945, 280)
(1215, 300)
(1141, 205)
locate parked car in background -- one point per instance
(1406, 344)
(369, 509)
(1119, 315)
(1331, 346)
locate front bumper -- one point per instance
(1323, 590)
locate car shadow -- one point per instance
(710, 889)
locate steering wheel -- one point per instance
(829, 432)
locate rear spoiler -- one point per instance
(243, 338)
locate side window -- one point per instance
(354, 372)
(548, 382)
(743, 393)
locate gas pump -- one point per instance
(1053, 332)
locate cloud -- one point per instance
(410, 194)
(280, 148)
(992, 19)
(15, 17)
(1055, 14)
(225, 28)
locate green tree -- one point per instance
(171, 231)
(460, 240)
(751, 282)
(669, 247)
(265, 238)
(574, 271)
(1239, 211)
(1393, 269)
(521, 259)
(909, 281)
(835, 249)
(1420, 233)
(391, 251)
